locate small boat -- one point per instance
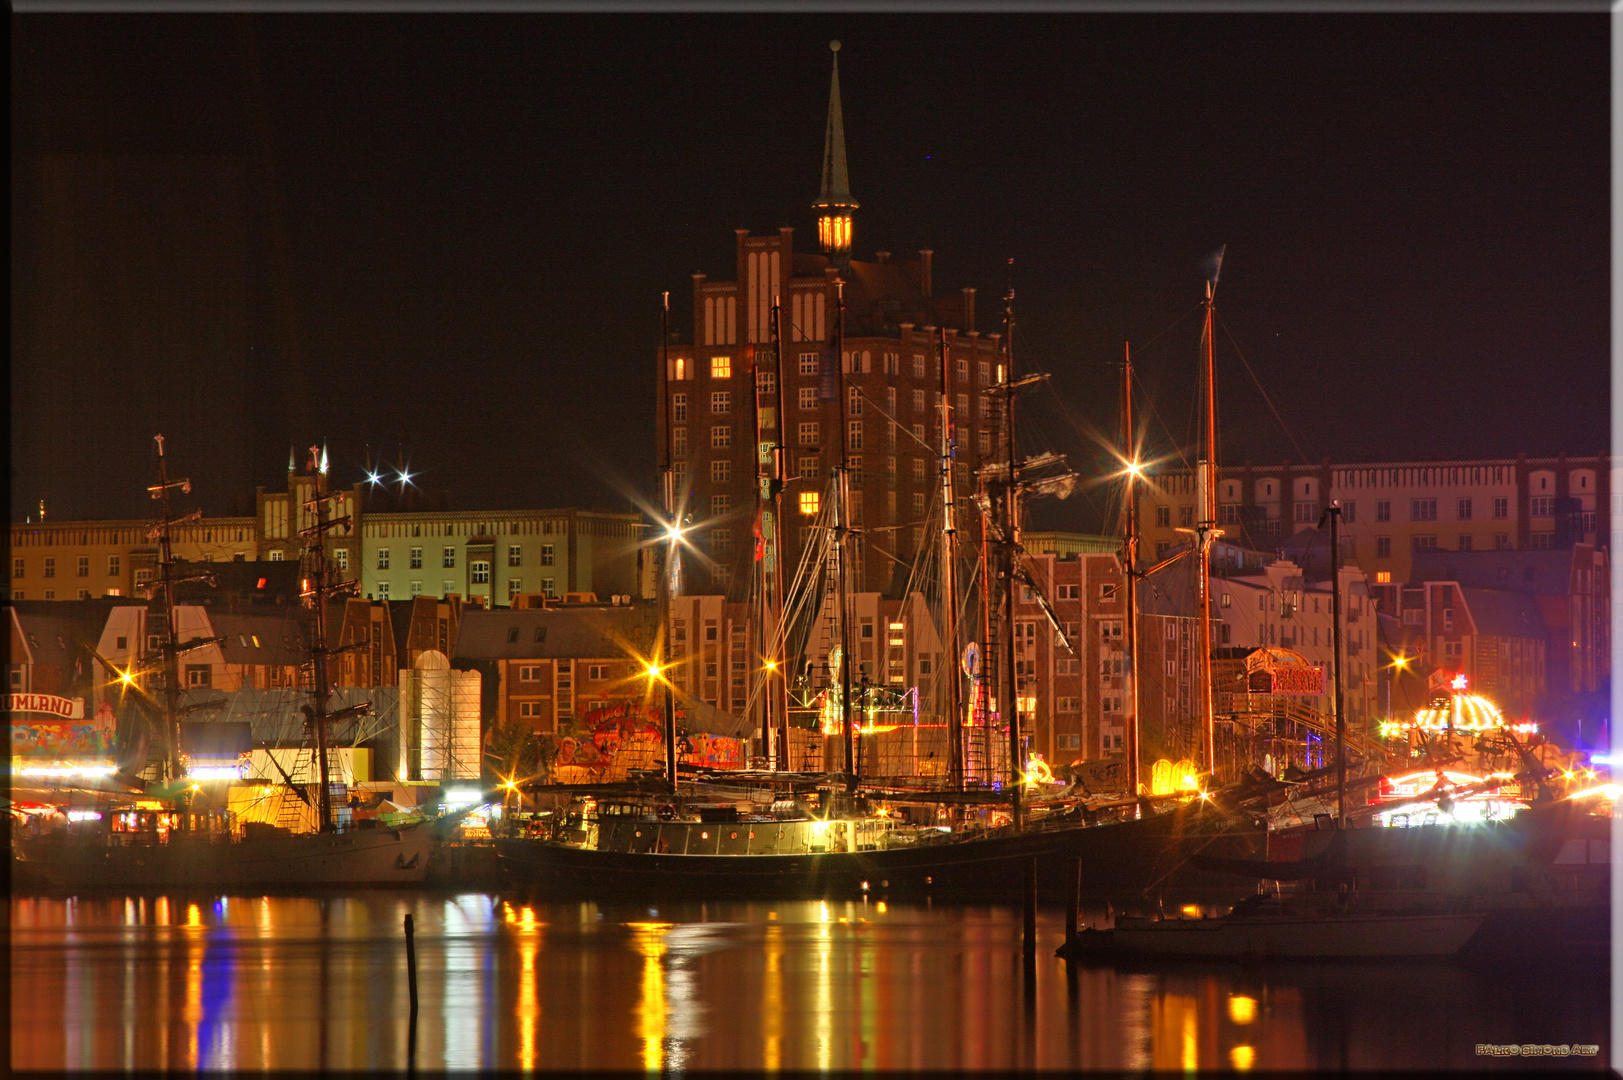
(1289, 927)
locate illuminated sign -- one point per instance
(66, 708)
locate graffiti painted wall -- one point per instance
(619, 737)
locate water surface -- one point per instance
(192, 981)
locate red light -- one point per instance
(261, 583)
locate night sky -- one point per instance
(445, 236)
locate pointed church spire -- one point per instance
(835, 203)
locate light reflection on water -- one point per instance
(256, 983)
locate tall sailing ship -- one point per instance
(163, 840)
(853, 830)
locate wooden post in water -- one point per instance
(411, 977)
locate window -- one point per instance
(721, 367)
(1422, 509)
(808, 468)
(853, 435)
(83, 567)
(1067, 705)
(983, 372)
(1349, 513)
(918, 433)
(808, 502)
(680, 363)
(1186, 516)
(1107, 593)
(1463, 542)
(1228, 600)
(50, 567)
(1424, 542)
(549, 588)
(529, 673)
(383, 558)
(198, 675)
(679, 408)
(918, 401)
(1501, 541)
(721, 402)
(1501, 507)
(383, 590)
(1540, 541)
(720, 505)
(1537, 506)
(415, 588)
(481, 572)
(721, 542)
(1383, 510)
(721, 472)
(17, 566)
(515, 555)
(1163, 517)
(546, 554)
(1383, 547)
(983, 443)
(962, 404)
(447, 588)
(808, 363)
(918, 507)
(416, 558)
(808, 433)
(1306, 513)
(721, 437)
(1161, 549)
(918, 365)
(597, 672)
(114, 566)
(1070, 592)
(1463, 509)
(531, 710)
(448, 559)
(766, 382)
(854, 401)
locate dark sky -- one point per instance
(446, 235)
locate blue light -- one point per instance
(1600, 759)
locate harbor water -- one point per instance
(199, 981)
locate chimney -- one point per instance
(926, 282)
(969, 309)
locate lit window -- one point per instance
(274, 556)
(1383, 577)
(808, 502)
(680, 364)
(721, 367)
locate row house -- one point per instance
(1392, 511)
(1495, 638)
(550, 667)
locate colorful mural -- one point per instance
(618, 737)
(65, 739)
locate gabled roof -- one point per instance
(1539, 572)
(54, 640)
(274, 640)
(563, 633)
(1504, 614)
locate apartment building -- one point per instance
(867, 349)
(1393, 510)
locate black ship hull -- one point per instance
(1114, 861)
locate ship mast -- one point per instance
(778, 474)
(842, 533)
(173, 769)
(1009, 545)
(1130, 568)
(1206, 530)
(949, 581)
(673, 533)
(318, 587)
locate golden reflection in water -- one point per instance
(825, 993)
(772, 999)
(192, 1014)
(1242, 1057)
(1242, 1010)
(649, 939)
(1173, 1028)
(528, 928)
